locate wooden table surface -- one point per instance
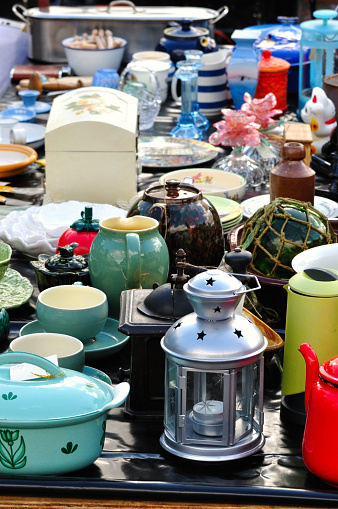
(70, 503)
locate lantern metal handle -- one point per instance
(247, 290)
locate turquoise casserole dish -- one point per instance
(55, 424)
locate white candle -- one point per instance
(208, 412)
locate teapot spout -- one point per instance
(312, 370)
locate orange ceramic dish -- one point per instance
(14, 159)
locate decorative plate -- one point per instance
(39, 107)
(21, 114)
(42, 226)
(326, 206)
(15, 290)
(168, 152)
(108, 341)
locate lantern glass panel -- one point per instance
(170, 397)
(245, 382)
(203, 406)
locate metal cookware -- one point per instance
(141, 26)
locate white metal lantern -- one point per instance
(214, 374)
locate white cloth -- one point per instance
(13, 49)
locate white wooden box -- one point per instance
(90, 146)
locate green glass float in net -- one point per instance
(277, 232)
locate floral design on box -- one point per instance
(94, 104)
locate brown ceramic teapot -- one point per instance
(187, 220)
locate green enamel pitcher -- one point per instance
(127, 253)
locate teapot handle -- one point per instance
(158, 212)
(41, 362)
(133, 254)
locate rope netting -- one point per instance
(277, 221)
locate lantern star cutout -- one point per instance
(217, 309)
(238, 333)
(200, 335)
(210, 281)
(178, 325)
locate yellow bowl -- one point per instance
(211, 181)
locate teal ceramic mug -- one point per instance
(76, 310)
(127, 253)
(69, 350)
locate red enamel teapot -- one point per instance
(320, 440)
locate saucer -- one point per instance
(15, 290)
(108, 341)
(96, 373)
(20, 114)
(39, 107)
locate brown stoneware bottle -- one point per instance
(292, 177)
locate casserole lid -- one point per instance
(65, 395)
(124, 12)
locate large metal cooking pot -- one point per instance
(52, 424)
(142, 27)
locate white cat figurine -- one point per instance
(320, 113)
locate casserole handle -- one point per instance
(122, 2)
(16, 357)
(119, 393)
(20, 12)
(223, 11)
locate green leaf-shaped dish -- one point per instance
(15, 290)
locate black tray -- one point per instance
(134, 465)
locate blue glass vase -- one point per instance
(194, 57)
(186, 127)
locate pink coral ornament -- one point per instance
(262, 109)
(237, 129)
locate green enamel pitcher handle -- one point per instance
(31, 358)
(133, 253)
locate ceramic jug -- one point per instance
(320, 440)
(127, 253)
(187, 221)
(312, 310)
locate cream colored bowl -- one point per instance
(211, 181)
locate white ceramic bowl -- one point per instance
(325, 257)
(211, 181)
(85, 62)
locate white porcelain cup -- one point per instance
(6, 124)
(69, 350)
(18, 136)
(151, 55)
(160, 68)
(213, 88)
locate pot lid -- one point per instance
(329, 370)
(185, 31)
(213, 283)
(65, 260)
(268, 63)
(64, 395)
(125, 12)
(306, 285)
(173, 191)
(323, 25)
